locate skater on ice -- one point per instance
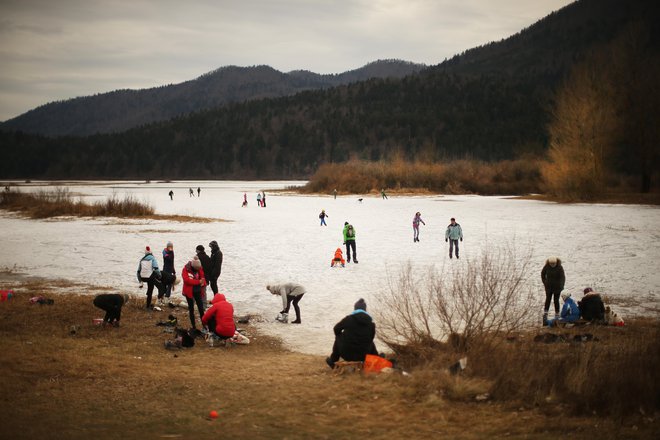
(452, 235)
(322, 216)
(416, 221)
(290, 293)
(245, 202)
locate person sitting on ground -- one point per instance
(338, 259)
(111, 303)
(570, 312)
(219, 319)
(591, 306)
(354, 336)
(290, 293)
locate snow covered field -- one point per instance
(613, 248)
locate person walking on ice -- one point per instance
(453, 234)
(322, 216)
(290, 293)
(199, 191)
(191, 193)
(349, 241)
(416, 221)
(259, 200)
(382, 194)
(171, 193)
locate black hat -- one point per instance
(360, 304)
(213, 244)
(199, 248)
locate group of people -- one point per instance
(590, 308)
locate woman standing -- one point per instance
(193, 285)
(416, 221)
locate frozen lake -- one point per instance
(613, 248)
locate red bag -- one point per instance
(374, 364)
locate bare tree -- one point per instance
(480, 299)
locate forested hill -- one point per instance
(124, 109)
(491, 102)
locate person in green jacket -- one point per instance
(452, 235)
(349, 241)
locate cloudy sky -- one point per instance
(59, 49)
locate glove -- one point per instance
(141, 285)
(446, 240)
(461, 238)
(344, 243)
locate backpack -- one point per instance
(146, 268)
(350, 232)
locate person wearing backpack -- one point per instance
(148, 272)
(349, 241)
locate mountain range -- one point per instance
(488, 103)
(121, 110)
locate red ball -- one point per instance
(213, 414)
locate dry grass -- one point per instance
(121, 383)
(60, 202)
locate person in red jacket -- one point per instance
(193, 285)
(220, 317)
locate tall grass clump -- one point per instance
(60, 202)
(455, 177)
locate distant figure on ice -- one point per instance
(111, 304)
(553, 279)
(322, 216)
(263, 199)
(168, 267)
(382, 194)
(191, 193)
(244, 200)
(591, 306)
(199, 190)
(570, 312)
(290, 293)
(338, 259)
(452, 235)
(259, 200)
(334, 193)
(148, 272)
(193, 285)
(215, 266)
(171, 193)
(354, 336)
(349, 241)
(416, 221)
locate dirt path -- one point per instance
(121, 383)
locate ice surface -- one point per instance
(613, 248)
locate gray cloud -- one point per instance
(52, 50)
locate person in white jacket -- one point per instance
(290, 293)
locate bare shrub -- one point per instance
(481, 299)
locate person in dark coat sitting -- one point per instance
(354, 336)
(591, 306)
(111, 303)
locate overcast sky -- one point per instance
(59, 49)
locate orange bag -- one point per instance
(373, 364)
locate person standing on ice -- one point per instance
(259, 199)
(382, 194)
(245, 203)
(452, 235)
(334, 193)
(191, 193)
(322, 216)
(553, 279)
(290, 293)
(416, 221)
(199, 191)
(168, 267)
(148, 272)
(349, 241)
(215, 267)
(263, 199)
(193, 285)
(171, 193)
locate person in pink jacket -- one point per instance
(193, 286)
(220, 317)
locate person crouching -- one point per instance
(219, 319)
(570, 312)
(290, 293)
(111, 303)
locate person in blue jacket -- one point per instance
(570, 312)
(452, 235)
(148, 272)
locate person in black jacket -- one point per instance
(354, 336)
(111, 303)
(216, 266)
(206, 265)
(591, 306)
(553, 278)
